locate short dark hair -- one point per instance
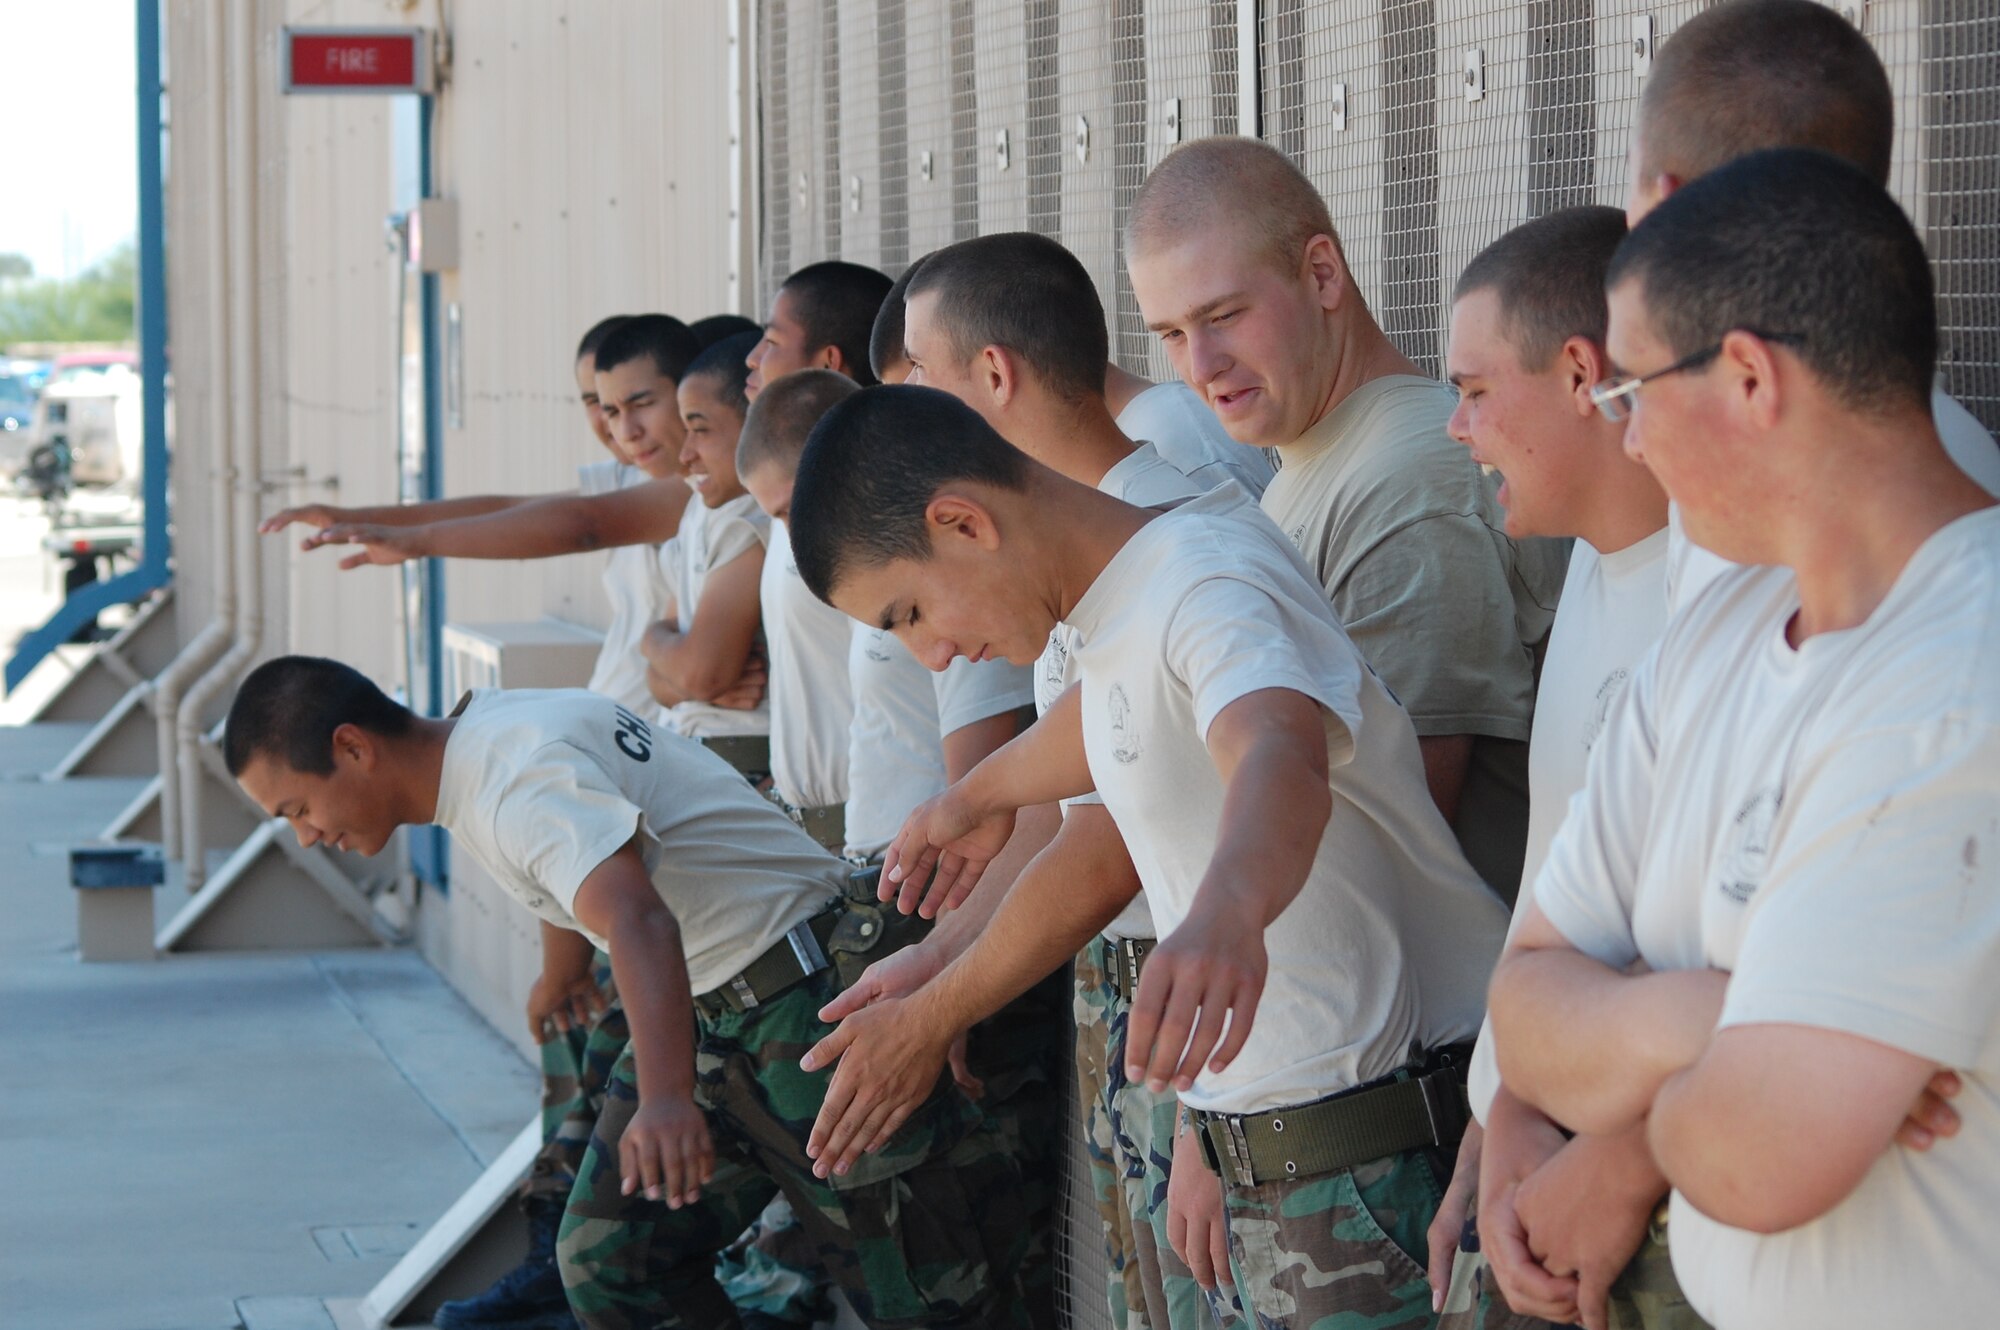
(885, 339)
(661, 336)
(1755, 74)
(715, 327)
(1794, 242)
(725, 363)
(870, 470)
(288, 708)
(836, 304)
(594, 338)
(1549, 277)
(778, 422)
(1027, 293)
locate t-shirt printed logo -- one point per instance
(1600, 711)
(1748, 853)
(1124, 735)
(874, 649)
(1055, 663)
(633, 736)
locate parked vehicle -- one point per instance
(90, 408)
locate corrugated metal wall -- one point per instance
(1045, 114)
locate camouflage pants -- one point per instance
(1129, 1132)
(575, 1069)
(1017, 1052)
(928, 1232)
(1341, 1251)
(1647, 1295)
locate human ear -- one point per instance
(1754, 377)
(1325, 270)
(1584, 365)
(954, 516)
(353, 744)
(997, 372)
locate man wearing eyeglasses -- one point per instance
(1772, 919)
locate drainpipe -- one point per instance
(244, 459)
(173, 682)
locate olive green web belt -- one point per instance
(1424, 1105)
(748, 753)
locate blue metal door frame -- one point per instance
(156, 549)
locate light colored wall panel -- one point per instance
(1003, 106)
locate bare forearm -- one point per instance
(1275, 811)
(436, 510)
(1045, 764)
(1063, 898)
(1591, 1046)
(958, 928)
(566, 953)
(651, 972)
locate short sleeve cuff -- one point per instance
(1258, 671)
(1947, 1045)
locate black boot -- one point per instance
(528, 1297)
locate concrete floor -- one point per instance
(179, 1136)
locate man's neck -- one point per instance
(1365, 354)
(1082, 443)
(1089, 528)
(1626, 508)
(415, 767)
(1851, 527)
(1122, 387)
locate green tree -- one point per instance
(99, 305)
(15, 265)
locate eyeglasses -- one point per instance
(1614, 397)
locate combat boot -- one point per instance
(528, 1297)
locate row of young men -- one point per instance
(1217, 697)
(847, 760)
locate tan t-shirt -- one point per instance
(1409, 543)
(543, 785)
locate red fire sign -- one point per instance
(358, 60)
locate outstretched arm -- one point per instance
(963, 830)
(890, 1052)
(528, 529)
(1269, 746)
(323, 515)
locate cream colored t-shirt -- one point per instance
(1391, 939)
(1614, 607)
(902, 712)
(636, 591)
(812, 700)
(712, 538)
(1144, 478)
(542, 786)
(1410, 543)
(1823, 823)
(1189, 438)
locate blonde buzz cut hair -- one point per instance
(1241, 183)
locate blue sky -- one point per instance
(68, 191)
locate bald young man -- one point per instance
(1260, 315)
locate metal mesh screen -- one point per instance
(1431, 126)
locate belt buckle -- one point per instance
(1238, 1145)
(1439, 1110)
(806, 949)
